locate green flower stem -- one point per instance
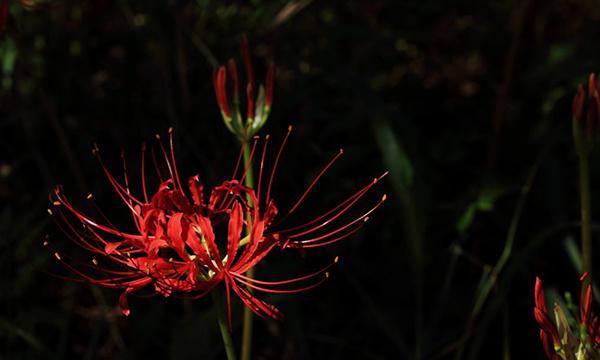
(248, 316)
(586, 216)
(223, 325)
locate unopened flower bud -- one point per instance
(259, 98)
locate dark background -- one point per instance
(464, 102)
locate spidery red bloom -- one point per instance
(559, 341)
(185, 244)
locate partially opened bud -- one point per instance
(258, 100)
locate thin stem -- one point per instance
(223, 326)
(586, 217)
(248, 316)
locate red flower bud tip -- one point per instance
(245, 51)
(592, 85)
(585, 305)
(232, 67)
(540, 301)
(250, 100)
(221, 91)
(269, 84)
(578, 102)
(548, 332)
(257, 107)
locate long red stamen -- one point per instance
(164, 152)
(302, 245)
(284, 291)
(119, 189)
(239, 159)
(143, 170)
(344, 206)
(268, 198)
(156, 167)
(289, 281)
(226, 198)
(314, 182)
(313, 229)
(173, 159)
(249, 165)
(90, 221)
(228, 297)
(262, 165)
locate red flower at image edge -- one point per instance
(555, 341)
(175, 249)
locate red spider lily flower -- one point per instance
(185, 245)
(558, 340)
(258, 106)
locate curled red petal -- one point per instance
(196, 190)
(221, 90)
(177, 228)
(540, 300)
(236, 222)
